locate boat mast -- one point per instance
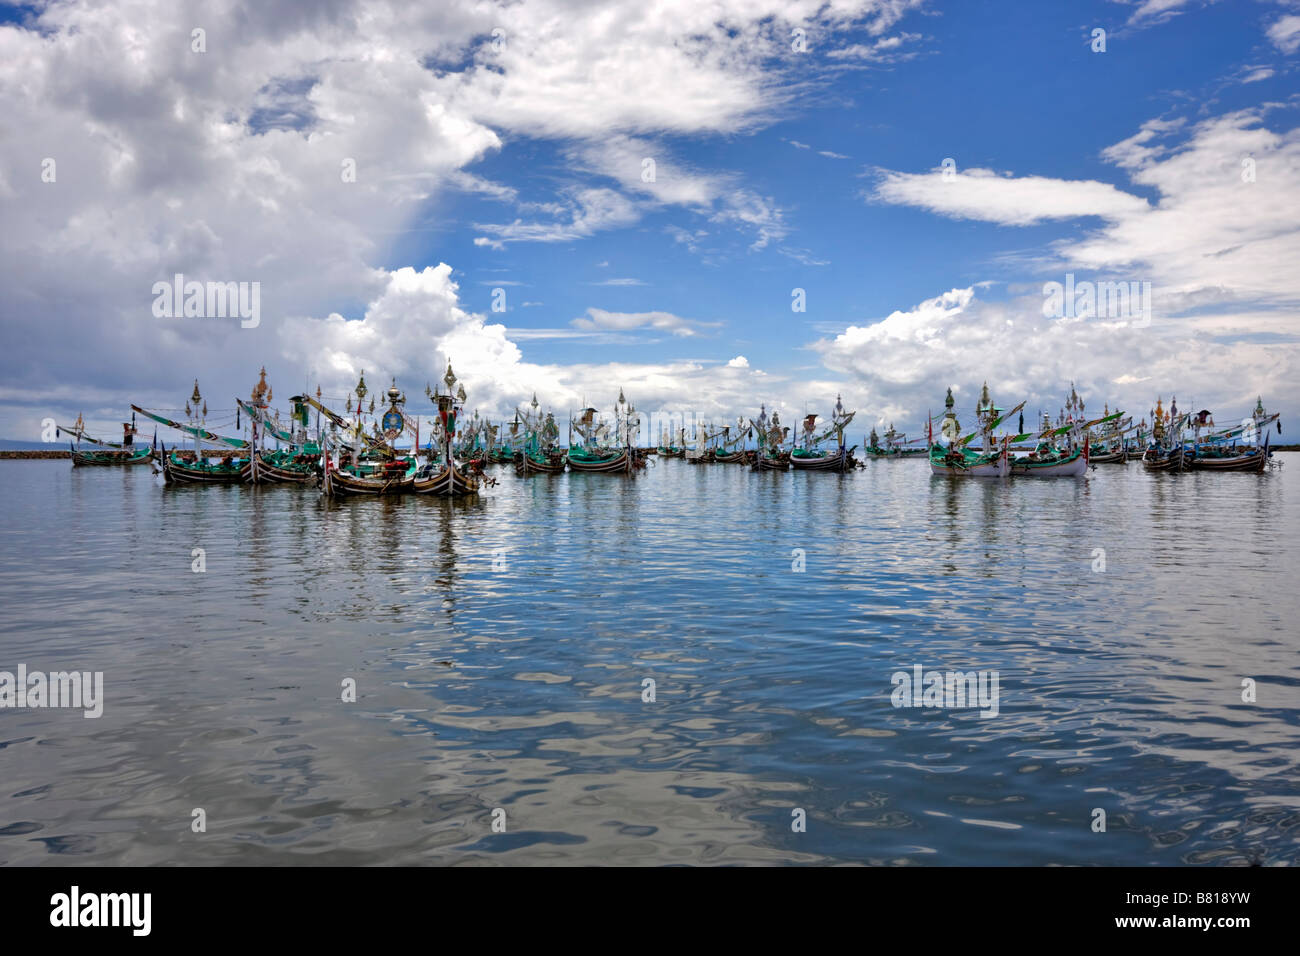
(193, 413)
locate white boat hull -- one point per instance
(998, 468)
(1075, 466)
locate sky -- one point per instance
(709, 204)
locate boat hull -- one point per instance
(447, 482)
(338, 483)
(780, 463)
(528, 465)
(1071, 467)
(969, 465)
(897, 455)
(1154, 460)
(835, 461)
(1254, 461)
(1108, 457)
(617, 464)
(120, 458)
(266, 472)
(177, 472)
(738, 458)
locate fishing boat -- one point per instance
(505, 442)
(1166, 451)
(675, 447)
(1106, 446)
(445, 478)
(602, 450)
(703, 453)
(770, 456)
(895, 446)
(296, 464)
(368, 464)
(1118, 456)
(196, 468)
(1048, 461)
(1063, 449)
(105, 453)
(1052, 459)
(1135, 441)
(539, 455)
(345, 441)
(476, 438)
(810, 456)
(730, 449)
(1254, 459)
(1236, 448)
(955, 459)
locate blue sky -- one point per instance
(519, 169)
(1051, 114)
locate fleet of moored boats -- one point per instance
(356, 452)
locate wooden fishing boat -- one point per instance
(538, 463)
(956, 460)
(393, 477)
(596, 453)
(1166, 451)
(675, 448)
(1254, 460)
(195, 468)
(895, 446)
(296, 464)
(703, 452)
(730, 449)
(596, 460)
(664, 448)
(770, 456)
(835, 459)
(445, 478)
(504, 450)
(284, 468)
(1232, 449)
(181, 468)
(1157, 459)
(475, 439)
(780, 462)
(1107, 447)
(1118, 456)
(964, 463)
(740, 457)
(1053, 464)
(810, 456)
(539, 454)
(111, 456)
(106, 453)
(1064, 449)
(370, 465)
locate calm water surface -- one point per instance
(499, 650)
